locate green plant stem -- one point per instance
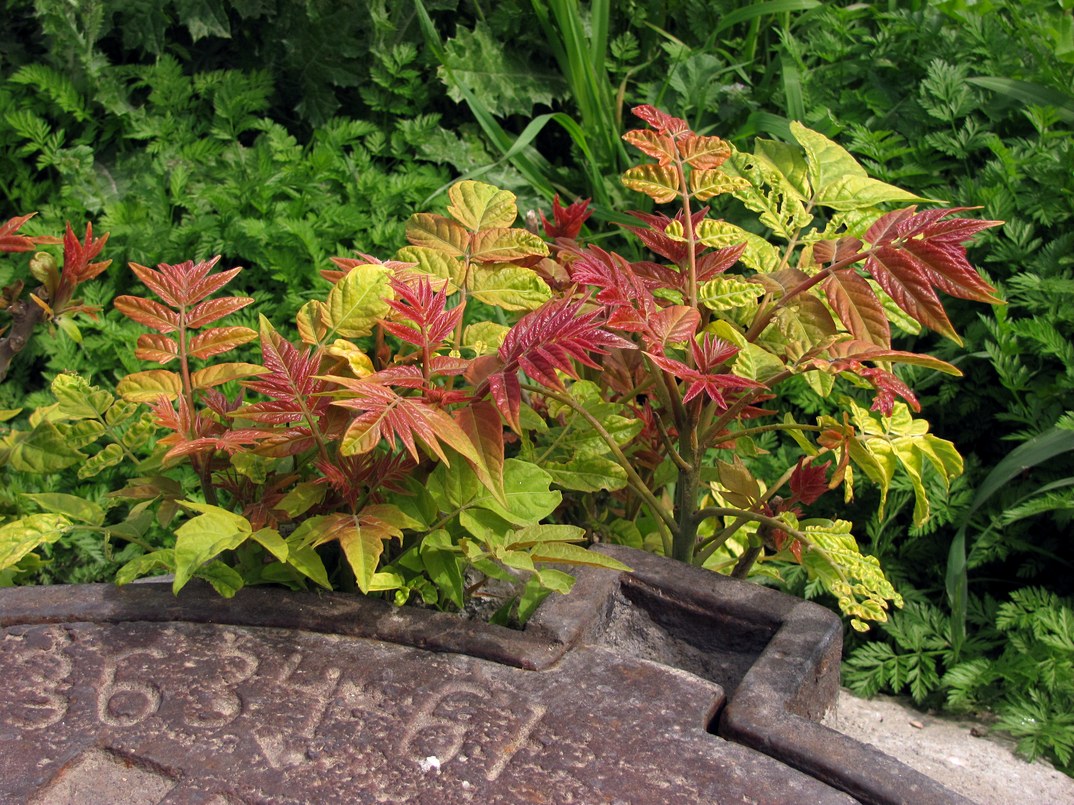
(637, 484)
(739, 434)
(757, 517)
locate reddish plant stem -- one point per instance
(25, 316)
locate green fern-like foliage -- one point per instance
(1019, 665)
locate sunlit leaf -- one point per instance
(478, 206)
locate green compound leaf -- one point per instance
(201, 538)
(70, 506)
(838, 181)
(888, 444)
(44, 449)
(862, 589)
(109, 456)
(20, 537)
(78, 399)
(477, 63)
(440, 558)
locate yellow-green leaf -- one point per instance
(502, 245)
(726, 293)
(757, 363)
(271, 541)
(302, 498)
(70, 506)
(20, 537)
(44, 449)
(567, 554)
(109, 456)
(661, 184)
(435, 263)
(437, 232)
(150, 386)
(709, 183)
(760, 255)
(484, 337)
(221, 373)
(357, 301)
(200, 539)
(363, 549)
(531, 535)
(510, 288)
(477, 205)
(838, 181)
(857, 581)
(78, 399)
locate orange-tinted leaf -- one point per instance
(221, 373)
(657, 146)
(482, 425)
(659, 183)
(212, 309)
(12, 242)
(902, 278)
(477, 205)
(865, 351)
(219, 340)
(835, 251)
(808, 482)
(437, 232)
(158, 348)
(661, 121)
(704, 153)
(857, 307)
(148, 312)
(310, 322)
(386, 414)
(914, 252)
(675, 324)
(149, 386)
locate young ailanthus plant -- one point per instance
(52, 301)
(479, 404)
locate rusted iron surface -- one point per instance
(778, 693)
(670, 684)
(201, 713)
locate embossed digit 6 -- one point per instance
(148, 692)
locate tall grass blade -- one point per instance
(755, 10)
(1036, 451)
(1029, 93)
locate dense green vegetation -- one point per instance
(280, 134)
